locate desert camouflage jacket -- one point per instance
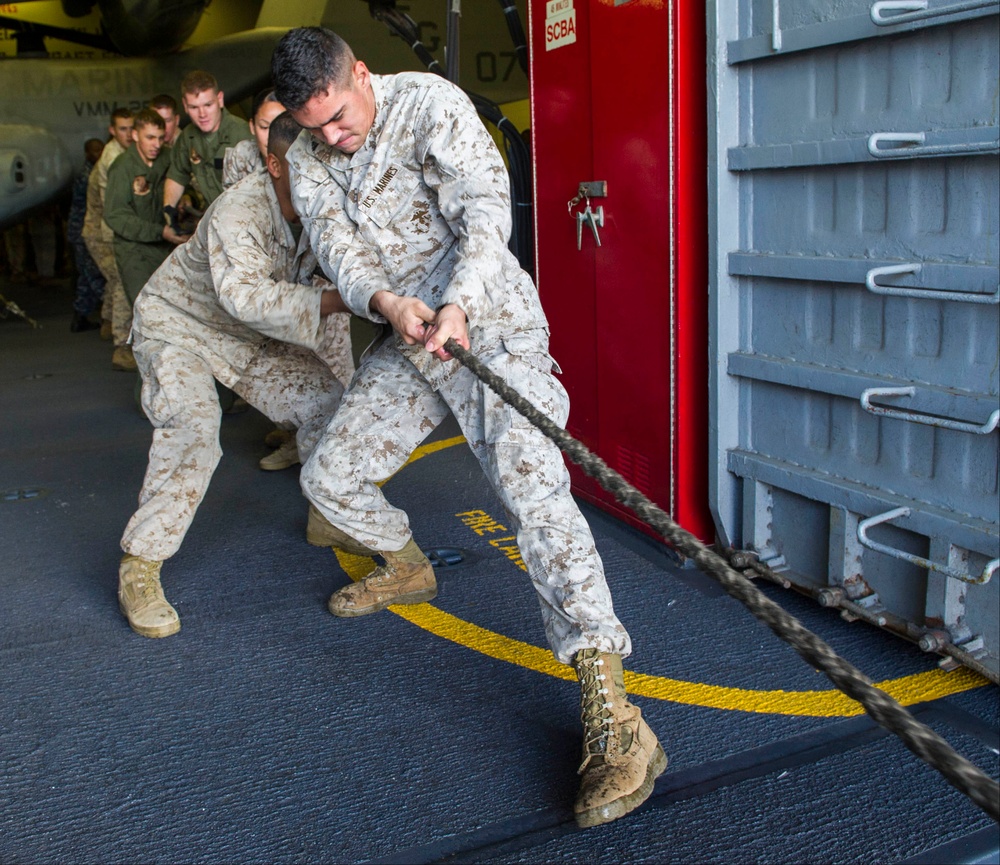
(421, 209)
(93, 223)
(239, 280)
(240, 160)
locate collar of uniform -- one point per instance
(364, 154)
(379, 86)
(232, 129)
(112, 150)
(284, 230)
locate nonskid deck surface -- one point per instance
(269, 731)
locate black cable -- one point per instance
(513, 18)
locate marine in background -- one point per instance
(132, 206)
(166, 106)
(250, 155)
(197, 155)
(116, 313)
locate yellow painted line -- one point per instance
(433, 448)
(907, 690)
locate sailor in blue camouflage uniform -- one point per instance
(406, 201)
(89, 279)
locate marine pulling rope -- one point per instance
(965, 776)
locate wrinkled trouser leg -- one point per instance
(530, 478)
(179, 398)
(335, 348)
(391, 408)
(121, 314)
(288, 384)
(115, 307)
(89, 281)
(293, 388)
(104, 259)
(387, 411)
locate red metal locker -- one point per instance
(617, 97)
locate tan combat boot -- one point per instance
(278, 436)
(405, 578)
(123, 360)
(140, 598)
(621, 755)
(286, 456)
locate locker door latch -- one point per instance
(594, 219)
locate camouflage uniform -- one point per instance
(197, 157)
(100, 244)
(335, 348)
(89, 279)
(216, 310)
(240, 160)
(422, 209)
(133, 209)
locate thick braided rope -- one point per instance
(919, 738)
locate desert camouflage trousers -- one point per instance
(289, 385)
(388, 411)
(115, 307)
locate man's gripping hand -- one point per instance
(450, 322)
(174, 237)
(172, 218)
(416, 322)
(407, 315)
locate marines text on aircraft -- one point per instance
(51, 106)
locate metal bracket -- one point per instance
(872, 284)
(910, 145)
(914, 10)
(594, 189)
(992, 422)
(990, 569)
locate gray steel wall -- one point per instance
(854, 219)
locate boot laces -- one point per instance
(597, 719)
(147, 581)
(379, 575)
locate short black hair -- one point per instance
(306, 62)
(93, 147)
(284, 130)
(264, 96)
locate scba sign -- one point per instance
(561, 30)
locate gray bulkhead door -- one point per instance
(854, 277)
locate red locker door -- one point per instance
(602, 79)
